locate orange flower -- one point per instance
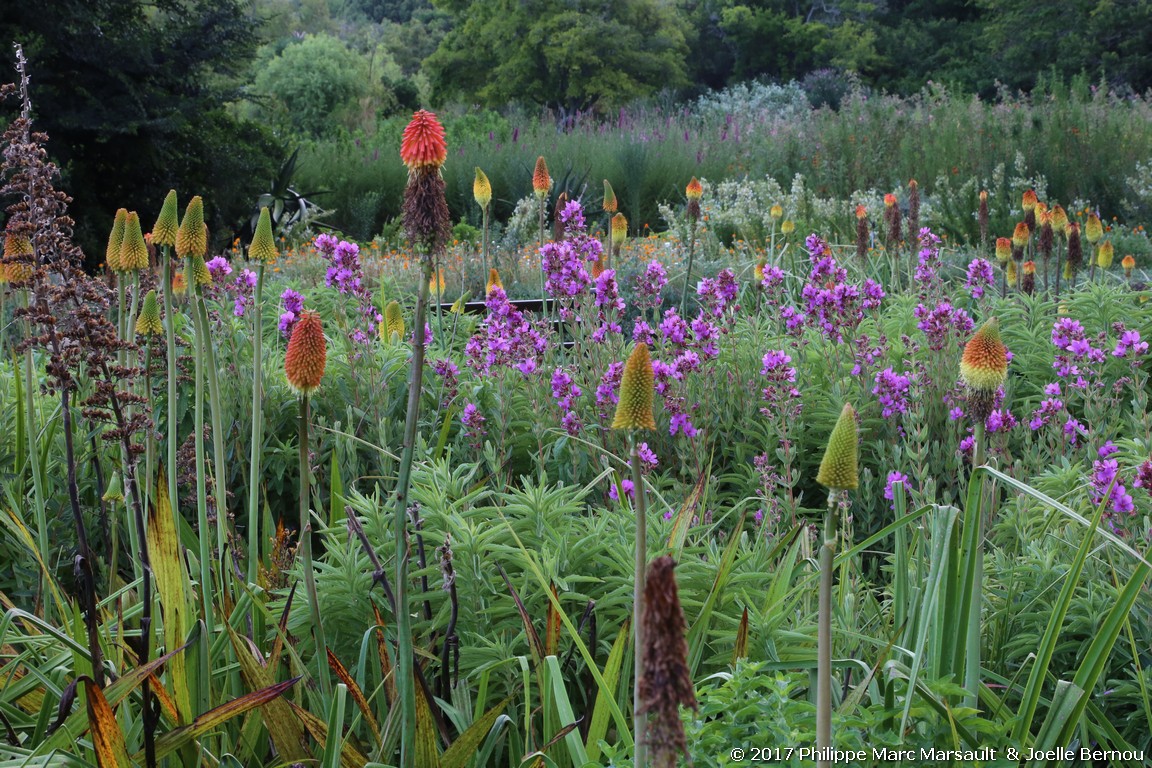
(1029, 267)
(1029, 200)
(861, 212)
(307, 354)
(179, 284)
(1059, 219)
(889, 200)
(619, 229)
(694, 191)
(423, 144)
(1021, 235)
(1003, 249)
(1129, 264)
(493, 281)
(541, 181)
(1093, 229)
(984, 365)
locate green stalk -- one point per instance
(824, 631)
(206, 587)
(972, 647)
(257, 440)
(170, 338)
(32, 431)
(543, 293)
(484, 274)
(639, 719)
(216, 407)
(405, 691)
(688, 272)
(306, 548)
(150, 439)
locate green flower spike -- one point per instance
(192, 237)
(133, 249)
(149, 324)
(167, 223)
(838, 467)
(637, 391)
(116, 242)
(263, 247)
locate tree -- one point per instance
(315, 83)
(133, 95)
(572, 55)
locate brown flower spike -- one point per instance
(637, 391)
(307, 354)
(665, 683)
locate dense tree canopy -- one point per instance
(570, 55)
(133, 95)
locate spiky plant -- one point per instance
(426, 221)
(304, 366)
(838, 473)
(665, 682)
(633, 413)
(983, 370)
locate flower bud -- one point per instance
(637, 391)
(482, 189)
(167, 223)
(838, 469)
(263, 245)
(149, 323)
(423, 144)
(307, 354)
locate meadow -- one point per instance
(808, 464)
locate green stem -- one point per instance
(404, 668)
(257, 440)
(639, 719)
(688, 271)
(543, 292)
(215, 407)
(205, 554)
(170, 338)
(32, 430)
(306, 548)
(972, 647)
(484, 274)
(824, 630)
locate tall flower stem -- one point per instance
(205, 554)
(215, 407)
(170, 338)
(405, 691)
(824, 628)
(256, 442)
(543, 292)
(306, 548)
(972, 646)
(484, 256)
(639, 718)
(688, 271)
(32, 430)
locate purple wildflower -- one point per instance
(981, 275)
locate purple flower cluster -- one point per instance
(1129, 343)
(942, 324)
(891, 392)
(245, 283)
(719, 292)
(1144, 476)
(833, 304)
(1000, 420)
(781, 395)
(609, 306)
(345, 273)
(1075, 354)
(473, 422)
(565, 392)
(566, 262)
(607, 391)
(218, 267)
(293, 305)
(981, 275)
(928, 259)
(505, 339)
(1049, 408)
(649, 285)
(449, 375)
(1106, 485)
(889, 492)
